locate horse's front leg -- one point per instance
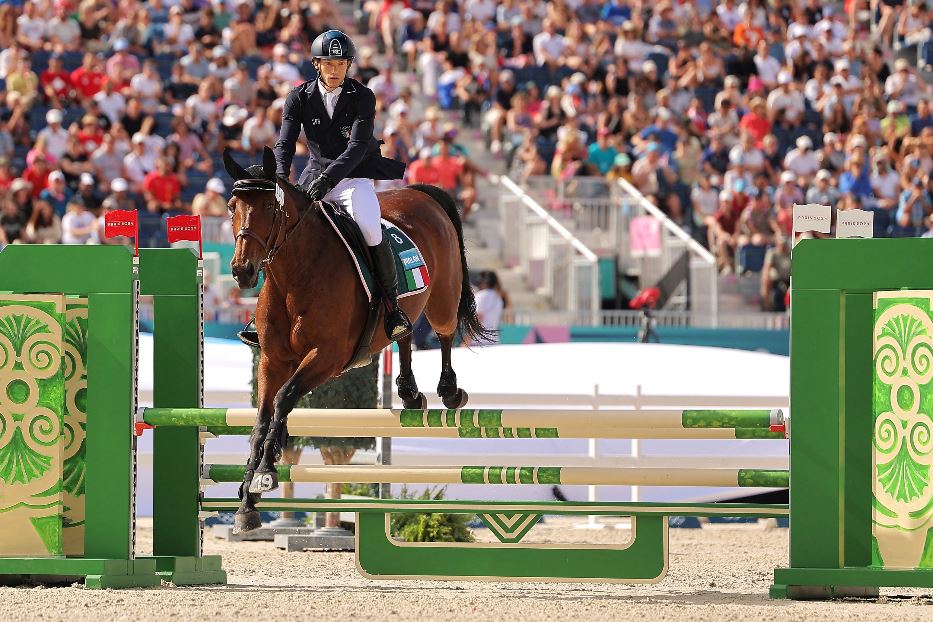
(271, 375)
(309, 375)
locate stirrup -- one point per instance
(249, 337)
(397, 325)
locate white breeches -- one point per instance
(358, 197)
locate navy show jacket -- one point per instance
(342, 146)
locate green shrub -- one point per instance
(430, 527)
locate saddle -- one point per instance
(353, 236)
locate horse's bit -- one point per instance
(279, 219)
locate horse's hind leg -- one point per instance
(407, 387)
(452, 396)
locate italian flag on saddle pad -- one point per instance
(413, 275)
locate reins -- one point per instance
(280, 218)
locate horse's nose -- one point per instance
(243, 273)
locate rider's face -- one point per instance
(333, 72)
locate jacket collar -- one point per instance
(317, 99)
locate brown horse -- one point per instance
(312, 308)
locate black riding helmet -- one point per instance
(333, 45)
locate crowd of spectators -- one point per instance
(724, 114)
(129, 105)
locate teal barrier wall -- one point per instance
(773, 341)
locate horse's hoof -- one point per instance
(264, 482)
(419, 402)
(246, 521)
(457, 400)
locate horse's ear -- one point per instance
(235, 171)
(289, 189)
(268, 163)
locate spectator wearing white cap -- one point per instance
(798, 41)
(55, 136)
(139, 162)
(788, 193)
(831, 156)
(903, 85)
(56, 193)
(221, 64)
(853, 86)
(88, 194)
(822, 192)
(122, 66)
(895, 124)
(801, 161)
(281, 69)
(176, 34)
(885, 182)
(785, 104)
(211, 202)
(119, 197)
(78, 225)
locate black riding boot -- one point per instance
(397, 324)
(249, 336)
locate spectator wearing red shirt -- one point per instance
(162, 188)
(90, 134)
(756, 122)
(746, 33)
(56, 83)
(6, 174)
(449, 168)
(37, 174)
(727, 221)
(88, 79)
(424, 170)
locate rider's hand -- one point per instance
(318, 188)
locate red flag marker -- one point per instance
(185, 228)
(122, 223)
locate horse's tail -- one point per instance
(466, 311)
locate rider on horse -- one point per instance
(337, 114)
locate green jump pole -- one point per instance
(741, 478)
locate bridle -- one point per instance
(272, 245)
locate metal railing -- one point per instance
(703, 295)
(555, 262)
(664, 318)
(600, 215)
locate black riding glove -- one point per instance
(319, 187)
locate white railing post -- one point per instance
(592, 491)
